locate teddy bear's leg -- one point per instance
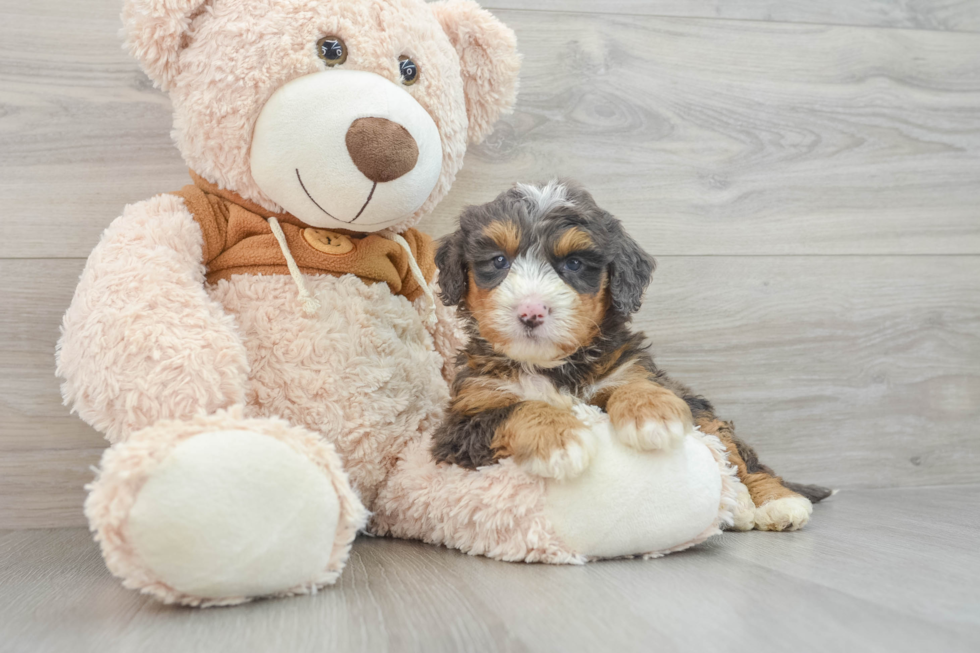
(497, 511)
(624, 503)
(220, 509)
(777, 508)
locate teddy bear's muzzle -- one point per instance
(377, 158)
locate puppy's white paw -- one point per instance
(744, 511)
(648, 416)
(785, 514)
(567, 462)
(653, 435)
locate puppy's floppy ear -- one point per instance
(488, 61)
(629, 273)
(453, 277)
(156, 32)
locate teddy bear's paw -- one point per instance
(785, 514)
(565, 462)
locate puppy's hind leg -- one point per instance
(778, 505)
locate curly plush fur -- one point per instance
(151, 354)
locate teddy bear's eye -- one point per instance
(332, 50)
(409, 70)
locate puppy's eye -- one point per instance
(573, 265)
(409, 70)
(501, 263)
(332, 50)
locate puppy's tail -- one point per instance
(815, 493)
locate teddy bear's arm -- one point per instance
(142, 340)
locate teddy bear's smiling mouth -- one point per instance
(351, 221)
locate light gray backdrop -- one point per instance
(807, 174)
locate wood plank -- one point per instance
(887, 539)
(955, 15)
(850, 371)
(45, 488)
(45, 452)
(723, 138)
(710, 136)
(32, 416)
(83, 133)
(869, 573)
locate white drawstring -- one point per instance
(430, 319)
(310, 303)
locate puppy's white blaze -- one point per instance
(785, 514)
(531, 278)
(545, 198)
(563, 463)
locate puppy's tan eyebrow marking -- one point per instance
(505, 234)
(573, 240)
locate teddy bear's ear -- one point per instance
(488, 61)
(156, 31)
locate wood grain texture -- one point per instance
(737, 138)
(848, 371)
(46, 454)
(713, 136)
(954, 15)
(45, 488)
(885, 570)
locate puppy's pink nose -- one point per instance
(532, 314)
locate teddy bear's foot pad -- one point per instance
(235, 513)
(630, 502)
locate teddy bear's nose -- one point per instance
(381, 149)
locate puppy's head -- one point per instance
(540, 268)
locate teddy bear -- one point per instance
(262, 348)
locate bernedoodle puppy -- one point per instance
(546, 283)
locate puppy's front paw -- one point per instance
(652, 434)
(647, 416)
(566, 462)
(545, 441)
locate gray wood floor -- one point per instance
(877, 570)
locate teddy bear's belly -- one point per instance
(362, 371)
